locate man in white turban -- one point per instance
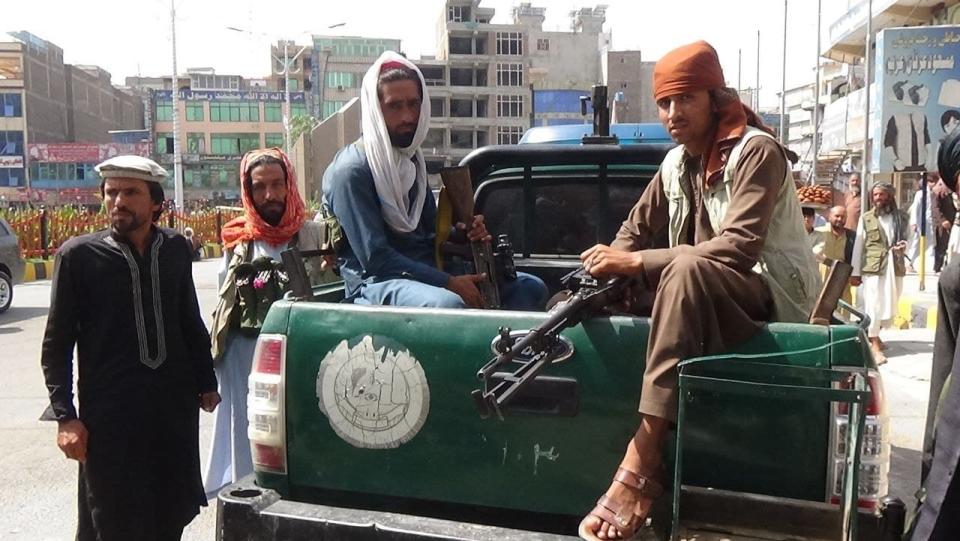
(377, 189)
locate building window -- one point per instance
(233, 144)
(11, 143)
(10, 105)
(543, 44)
(331, 107)
(272, 111)
(509, 106)
(338, 79)
(12, 177)
(509, 43)
(509, 74)
(458, 14)
(436, 108)
(196, 143)
(298, 109)
(271, 140)
(163, 143)
(164, 111)
(194, 111)
(214, 82)
(242, 111)
(509, 135)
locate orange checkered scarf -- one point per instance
(251, 226)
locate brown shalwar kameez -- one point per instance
(708, 298)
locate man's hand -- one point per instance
(466, 286)
(900, 247)
(209, 401)
(855, 281)
(602, 260)
(946, 225)
(72, 439)
(477, 231)
(328, 261)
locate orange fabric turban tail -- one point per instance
(251, 226)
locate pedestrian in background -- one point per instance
(251, 279)
(878, 262)
(125, 298)
(851, 201)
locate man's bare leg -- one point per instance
(643, 456)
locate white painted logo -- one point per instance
(374, 393)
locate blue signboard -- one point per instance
(917, 96)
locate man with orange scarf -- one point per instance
(737, 257)
(273, 220)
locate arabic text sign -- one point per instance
(228, 95)
(918, 83)
(11, 162)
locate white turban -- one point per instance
(393, 171)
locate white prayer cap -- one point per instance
(136, 167)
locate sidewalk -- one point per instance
(918, 309)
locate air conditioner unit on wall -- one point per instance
(340, 88)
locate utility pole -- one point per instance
(865, 185)
(756, 91)
(287, 63)
(739, 59)
(783, 81)
(175, 94)
(815, 147)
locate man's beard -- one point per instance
(855, 191)
(272, 212)
(883, 210)
(123, 228)
(402, 140)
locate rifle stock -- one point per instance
(459, 188)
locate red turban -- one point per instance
(696, 67)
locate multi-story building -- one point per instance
(338, 64)
(484, 77)
(843, 126)
(220, 118)
(13, 125)
(632, 78)
(45, 101)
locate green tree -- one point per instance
(300, 124)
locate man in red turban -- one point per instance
(737, 257)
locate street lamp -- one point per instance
(287, 65)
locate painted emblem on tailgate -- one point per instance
(374, 392)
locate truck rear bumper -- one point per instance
(246, 512)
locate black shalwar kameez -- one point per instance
(144, 359)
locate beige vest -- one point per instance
(308, 238)
(786, 263)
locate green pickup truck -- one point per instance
(363, 424)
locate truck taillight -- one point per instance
(874, 450)
(265, 405)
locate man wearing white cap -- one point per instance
(377, 189)
(125, 298)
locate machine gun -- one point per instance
(540, 345)
(494, 265)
